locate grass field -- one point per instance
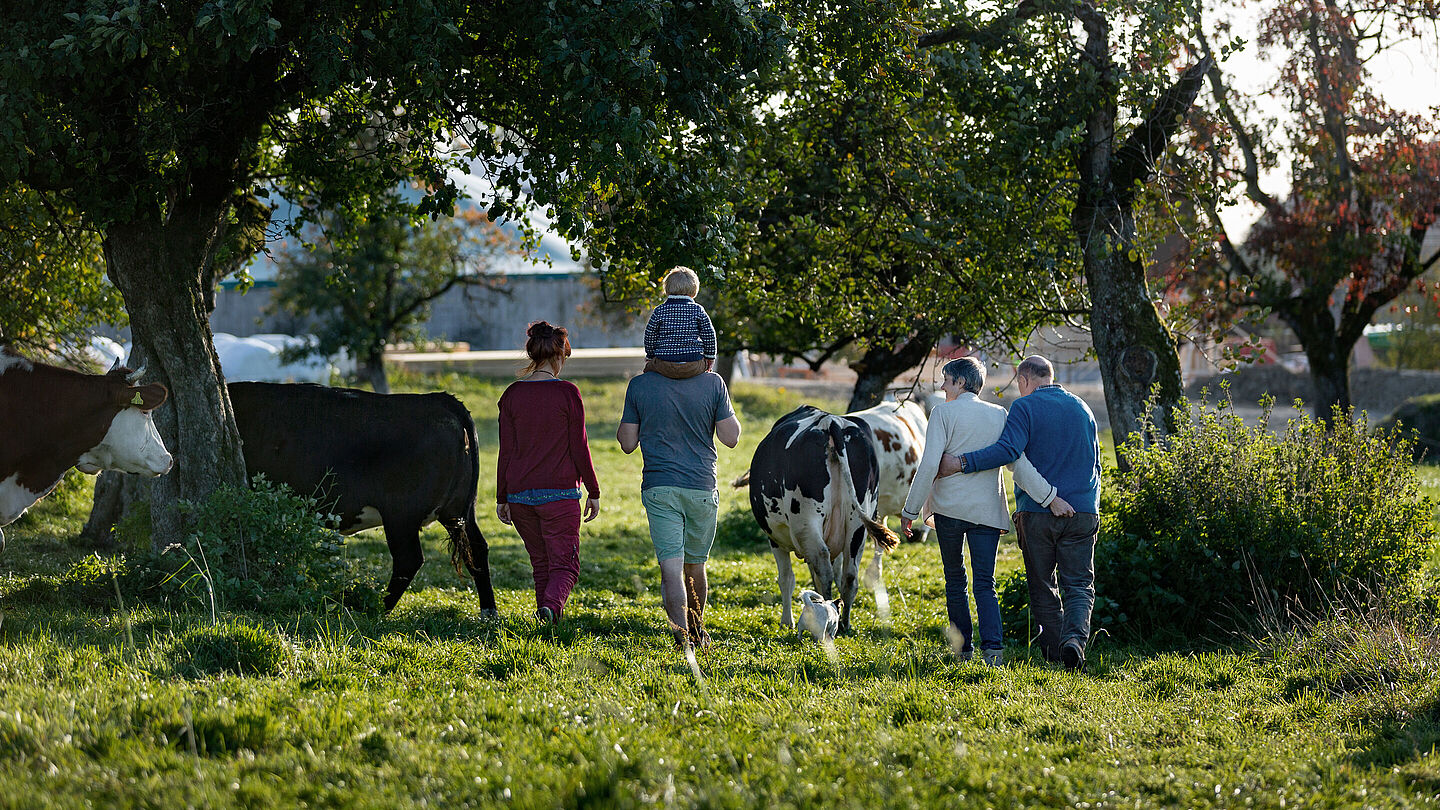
(103, 705)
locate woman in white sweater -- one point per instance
(972, 506)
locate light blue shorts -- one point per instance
(682, 521)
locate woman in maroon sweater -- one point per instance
(544, 456)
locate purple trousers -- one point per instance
(551, 532)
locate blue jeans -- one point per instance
(984, 540)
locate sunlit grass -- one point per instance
(432, 706)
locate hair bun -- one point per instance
(540, 330)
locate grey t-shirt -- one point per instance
(677, 427)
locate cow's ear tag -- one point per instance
(138, 400)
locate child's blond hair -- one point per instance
(682, 281)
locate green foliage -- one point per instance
(52, 273)
(233, 646)
(263, 549)
(369, 276)
(573, 106)
(873, 215)
(1226, 521)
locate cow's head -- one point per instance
(132, 444)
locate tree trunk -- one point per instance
(1328, 354)
(881, 365)
(725, 367)
(161, 272)
(372, 371)
(1134, 349)
(115, 493)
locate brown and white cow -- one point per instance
(899, 430)
(813, 484)
(54, 418)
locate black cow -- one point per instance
(813, 486)
(395, 460)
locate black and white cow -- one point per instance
(395, 460)
(813, 484)
(52, 419)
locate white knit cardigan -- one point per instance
(960, 426)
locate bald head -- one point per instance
(1037, 369)
(1034, 372)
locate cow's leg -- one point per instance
(849, 580)
(406, 556)
(785, 578)
(479, 568)
(822, 571)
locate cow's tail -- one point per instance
(742, 481)
(460, 555)
(884, 538)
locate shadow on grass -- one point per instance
(1406, 739)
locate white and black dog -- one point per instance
(819, 618)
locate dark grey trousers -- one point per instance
(1059, 551)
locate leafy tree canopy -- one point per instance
(1343, 239)
(53, 277)
(370, 275)
(876, 214)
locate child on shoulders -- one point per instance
(679, 338)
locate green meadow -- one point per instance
(110, 702)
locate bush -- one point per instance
(1223, 513)
(264, 548)
(1020, 626)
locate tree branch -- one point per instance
(997, 30)
(1136, 159)
(1221, 91)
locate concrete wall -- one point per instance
(487, 320)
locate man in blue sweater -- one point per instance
(1056, 431)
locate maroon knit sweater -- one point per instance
(542, 439)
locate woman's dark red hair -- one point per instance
(544, 343)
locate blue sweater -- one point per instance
(679, 330)
(1056, 431)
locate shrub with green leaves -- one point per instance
(1224, 521)
(1225, 516)
(264, 548)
